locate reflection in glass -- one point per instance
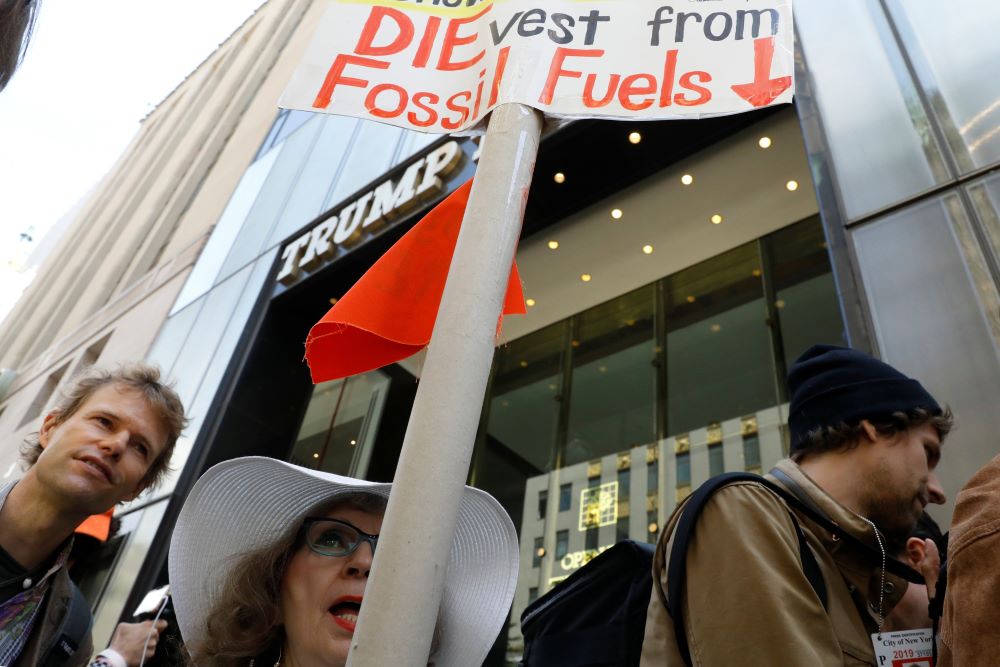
(543, 501)
(562, 543)
(806, 302)
(565, 497)
(613, 396)
(715, 460)
(339, 427)
(751, 452)
(878, 134)
(953, 47)
(718, 347)
(683, 469)
(374, 149)
(536, 555)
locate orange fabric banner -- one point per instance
(389, 313)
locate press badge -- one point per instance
(907, 648)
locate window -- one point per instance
(565, 497)
(751, 453)
(684, 469)
(621, 529)
(532, 594)
(536, 555)
(652, 477)
(624, 483)
(562, 543)
(613, 396)
(716, 464)
(543, 501)
(92, 353)
(652, 527)
(591, 537)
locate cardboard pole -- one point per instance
(403, 594)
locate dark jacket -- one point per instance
(47, 624)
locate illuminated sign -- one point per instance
(577, 559)
(421, 181)
(599, 506)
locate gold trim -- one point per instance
(652, 501)
(683, 492)
(714, 433)
(624, 461)
(748, 425)
(682, 443)
(652, 454)
(594, 469)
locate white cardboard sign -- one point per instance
(441, 65)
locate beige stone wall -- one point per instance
(121, 264)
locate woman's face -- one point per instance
(321, 597)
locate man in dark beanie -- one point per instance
(865, 440)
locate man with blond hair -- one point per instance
(109, 439)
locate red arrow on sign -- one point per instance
(763, 89)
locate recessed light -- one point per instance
(616, 213)
(553, 245)
(529, 302)
(316, 456)
(552, 387)
(687, 179)
(755, 273)
(333, 301)
(353, 442)
(602, 369)
(715, 328)
(716, 219)
(575, 343)
(779, 303)
(559, 177)
(792, 186)
(648, 249)
(524, 364)
(634, 138)
(691, 298)
(765, 142)
(586, 277)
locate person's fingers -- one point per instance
(161, 625)
(930, 566)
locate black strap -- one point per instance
(684, 531)
(72, 630)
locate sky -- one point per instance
(93, 70)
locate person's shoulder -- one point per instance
(745, 506)
(977, 508)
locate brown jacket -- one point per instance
(747, 600)
(969, 628)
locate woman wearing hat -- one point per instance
(269, 562)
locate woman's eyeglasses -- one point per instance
(333, 537)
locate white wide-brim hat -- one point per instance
(246, 504)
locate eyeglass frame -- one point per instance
(310, 521)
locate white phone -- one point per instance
(152, 602)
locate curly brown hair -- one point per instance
(136, 376)
(845, 436)
(243, 622)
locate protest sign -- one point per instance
(442, 65)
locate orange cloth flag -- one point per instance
(389, 313)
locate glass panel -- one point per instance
(318, 175)
(716, 465)
(562, 543)
(536, 554)
(621, 529)
(652, 477)
(751, 452)
(624, 483)
(543, 502)
(294, 121)
(370, 157)
(684, 469)
(985, 196)
(172, 336)
(413, 143)
(878, 134)
(951, 47)
(524, 404)
(652, 527)
(565, 497)
(340, 424)
(271, 201)
(806, 300)
(202, 277)
(923, 274)
(613, 397)
(718, 348)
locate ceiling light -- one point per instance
(603, 369)
(529, 302)
(792, 186)
(779, 303)
(315, 456)
(687, 179)
(586, 277)
(616, 213)
(553, 245)
(524, 364)
(353, 442)
(755, 273)
(715, 328)
(635, 138)
(691, 298)
(552, 387)
(652, 527)
(765, 142)
(559, 177)
(716, 219)
(648, 249)
(575, 343)
(333, 301)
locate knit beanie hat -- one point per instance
(829, 385)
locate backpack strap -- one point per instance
(72, 631)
